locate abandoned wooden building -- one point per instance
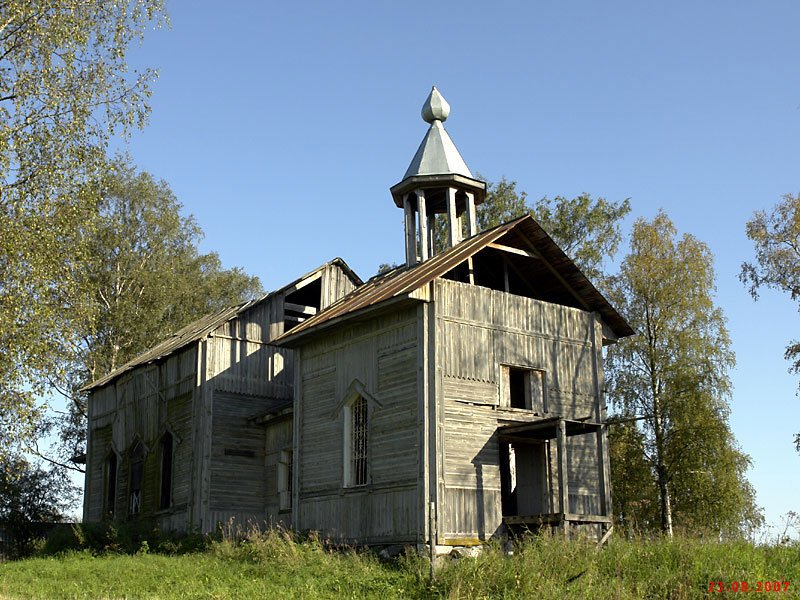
(447, 400)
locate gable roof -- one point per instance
(402, 282)
(203, 326)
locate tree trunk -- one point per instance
(666, 504)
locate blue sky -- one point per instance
(281, 127)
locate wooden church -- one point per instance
(449, 400)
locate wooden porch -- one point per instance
(562, 518)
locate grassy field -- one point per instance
(275, 566)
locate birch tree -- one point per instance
(65, 90)
(142, 278)
(673, 378)
(776, 237)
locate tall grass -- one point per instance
(279, 564)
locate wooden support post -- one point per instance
(563, 474)
(424, 251)
(452, 219)
(471, 269)
(432, 537)
(472, 219)
(411, 231)
(505, 275)
(431, 233)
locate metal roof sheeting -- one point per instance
(406, 280)
(203, 326)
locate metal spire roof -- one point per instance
(437, 154)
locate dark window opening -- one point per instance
(137, 475)
(518, 397)
(525, 389)
(303, 303)
(165, 498)
(111, 485)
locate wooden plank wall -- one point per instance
(143, 404)
(278, 439)
(247, 376)
(335, 284)
(477, 331)
(251, 378)
(381, 353)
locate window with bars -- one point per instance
(359, 443)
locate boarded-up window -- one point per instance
(166, 451)
(525, 388)
(135, 482)
(285, 480)
(109, 500)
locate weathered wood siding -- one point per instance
(477, 331)
(278, 440)
(383, 355)
(143, 404)
(206, 395)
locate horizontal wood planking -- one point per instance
(365, 516)
(382, 355)
(237, 478)
(478, 330)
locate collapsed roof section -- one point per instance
(518, 257)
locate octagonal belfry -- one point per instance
(437, 182)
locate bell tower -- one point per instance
(437, 182)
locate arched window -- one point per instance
(137, 475)
(358, 415)
(165, 452)
(110, 476)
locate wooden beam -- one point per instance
(512, 250)
(293, 319)
(300, 308)
(563, 475)
(558, 275)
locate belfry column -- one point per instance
(411, 230)
(453, 230)
(472, 220)
(436, 176)
(425, 251)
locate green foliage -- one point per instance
(30, 498)
(588, 231)
(675, 374)
(275, 564)
(65, 90)
(142, 278)
(124, 538)
(635, 505)
(776, 237)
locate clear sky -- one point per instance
(281, 127)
